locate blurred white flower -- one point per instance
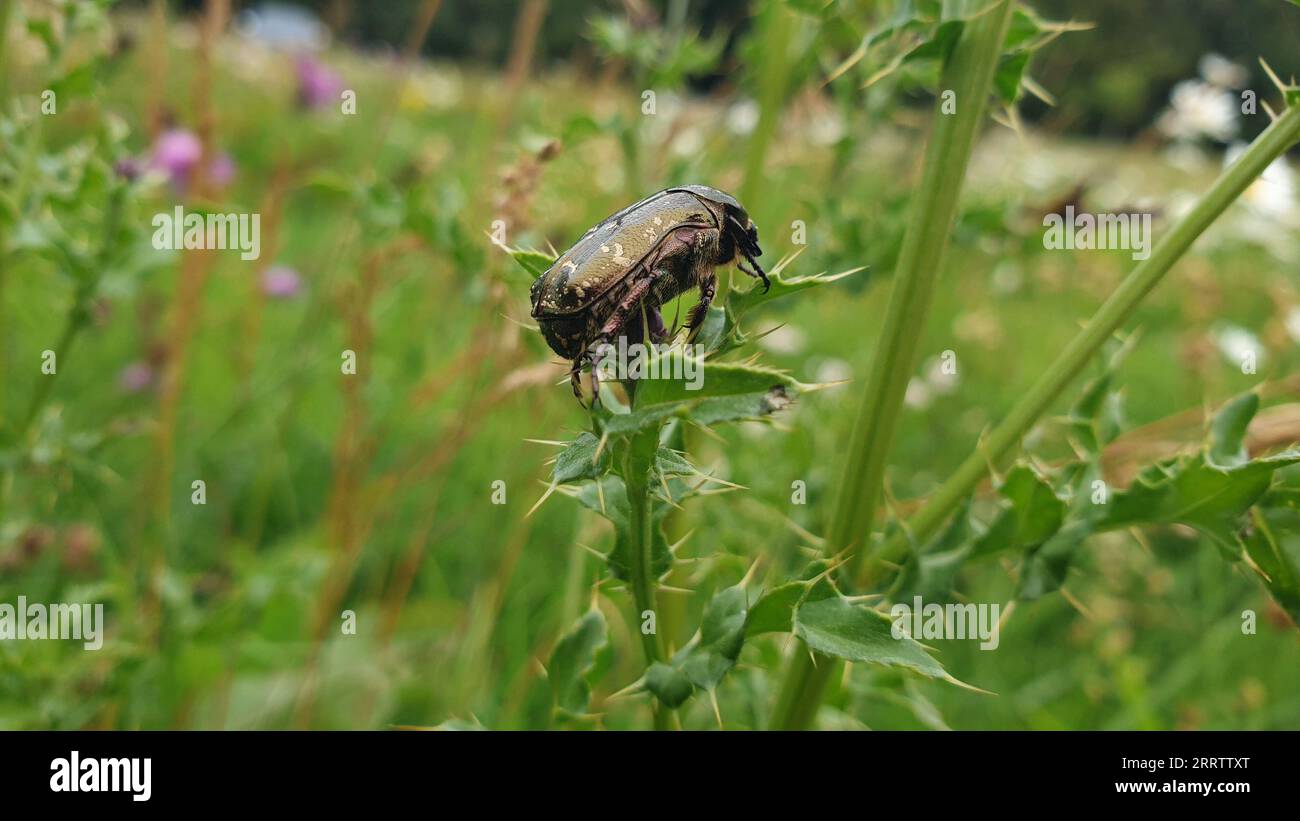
(937, 379)
(826, 127)
(1273, 193)
(1187, 157)
(1222, 72)
(742, 117)
(784, 339)
(688, 142)
(1237, 344)
(1293, 324)
(918, 394)
(1007, 277)
(1199, 109)
(834, 370)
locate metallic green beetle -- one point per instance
(635, 261)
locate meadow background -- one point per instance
(373, 492)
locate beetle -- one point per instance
(635, 261)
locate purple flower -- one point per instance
(135, 377)
(221, 170)
(176, 152)
(281, 282)
(318, 85)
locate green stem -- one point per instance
(778, 25)
(637, 464)
(1281, 135)
(77, 319)
(968, 73)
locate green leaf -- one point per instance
(1228, 431)
(1212, 491)
(1273, 544)
(1044, 569)
(741, 407)
(834, 626)
(1031, 513)
(932, 570)
(774, 610)
(740, 303)
(583, 458)
(1193, 492)
(708, 656)
(668, 684)
(685, 378)
(669, 462)
(535, 263)
(714, 650)
(608, 497)
(1006, 80)
(574, 663)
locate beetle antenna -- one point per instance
(747, 248)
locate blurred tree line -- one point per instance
(1118, 75)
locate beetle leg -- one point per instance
(575, 376)
(595, 377)
(708, 287)
(757, 272)
(631, 300)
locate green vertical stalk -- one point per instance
(968, 73)
(1280, 136)
(776, 31)
(637, 464)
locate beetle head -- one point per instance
(743, 231)
(744, 234)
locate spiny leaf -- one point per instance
(574, 661)
(774, 610)
(740, 303)
(1196, 493)
(835, 627)
(1228, 431)
(608, 497)
(714, 411)
(685, 378)
(581, 460)
(932, 570)
(1273, 543)
(714, 650)
(668, 684)
(669, 462)
(534, 262)
(708, 656)
(1031, 512)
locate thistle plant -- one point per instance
(630, 468)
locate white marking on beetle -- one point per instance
(604, 249)
(568, 263)
(618, 255)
